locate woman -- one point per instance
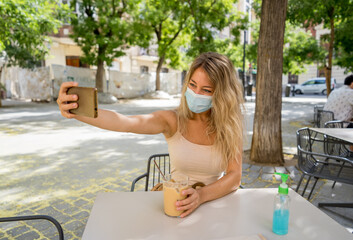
(204, 134)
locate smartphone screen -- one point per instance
(87, 101)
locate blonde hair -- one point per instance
(225, 119)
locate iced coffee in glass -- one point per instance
(172, 188)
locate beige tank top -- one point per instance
(201, 163)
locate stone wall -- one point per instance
(44, 83)
(27, 84)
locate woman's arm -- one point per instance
(230, 182)
(154, 123)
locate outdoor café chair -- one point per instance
(320, 165)
(316, 109)
(334, 146)
(322, 117)
(36, 217)
(153, 177)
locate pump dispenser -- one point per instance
(281, 207)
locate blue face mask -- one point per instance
(197, 103)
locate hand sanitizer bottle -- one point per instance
(281, 208)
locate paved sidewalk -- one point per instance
(56, 166)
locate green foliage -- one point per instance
(167, 20)
(313, 12)
(24, 29)
(299, 48)
(208, 18)
(104, 29)
(344, 46)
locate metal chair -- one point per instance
(316, 109)
(321, 166)
(323, 116)
(333, 146)
(36, 217)
(153, 176)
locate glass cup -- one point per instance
(173, 186)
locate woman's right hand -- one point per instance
(64, 98)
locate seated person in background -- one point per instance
(340, 101)
(204, 134)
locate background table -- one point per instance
(246, 212)
(345, 134)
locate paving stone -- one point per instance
(73, 225)
(80, 202)
(9, 225)
(268, 170)
(63, 205)
(87, 207)
(81, 215)
(281, 169)
(18, 230)
(291, 169)
(71, 210)
(28, 235)
(255, 168)
(267, 177)
(69, 236)
(52, 232)
(245, 166)
(79, 231)
(254, 175)
(90, 195)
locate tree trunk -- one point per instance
(99, 75)
(158, 71)
(266, 146)
(328, 69)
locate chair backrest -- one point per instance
(316, 109)
(156, 161)
(332, 145)
(304, 147)
(324, 116)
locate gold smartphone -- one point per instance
(87, 101)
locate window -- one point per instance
(74, 61)
(309, 82)
(143, 69)
(164, 70)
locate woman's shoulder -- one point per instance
(171, 118)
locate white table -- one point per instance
(246, 212)
(345, 134)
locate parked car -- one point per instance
(314, 85)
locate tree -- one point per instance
(167, 19)
(266, 143)
(103, 29)
(343, 44)
(24, 29)
(310, 13)
(208, 18)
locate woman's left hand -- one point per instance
(189, 204)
